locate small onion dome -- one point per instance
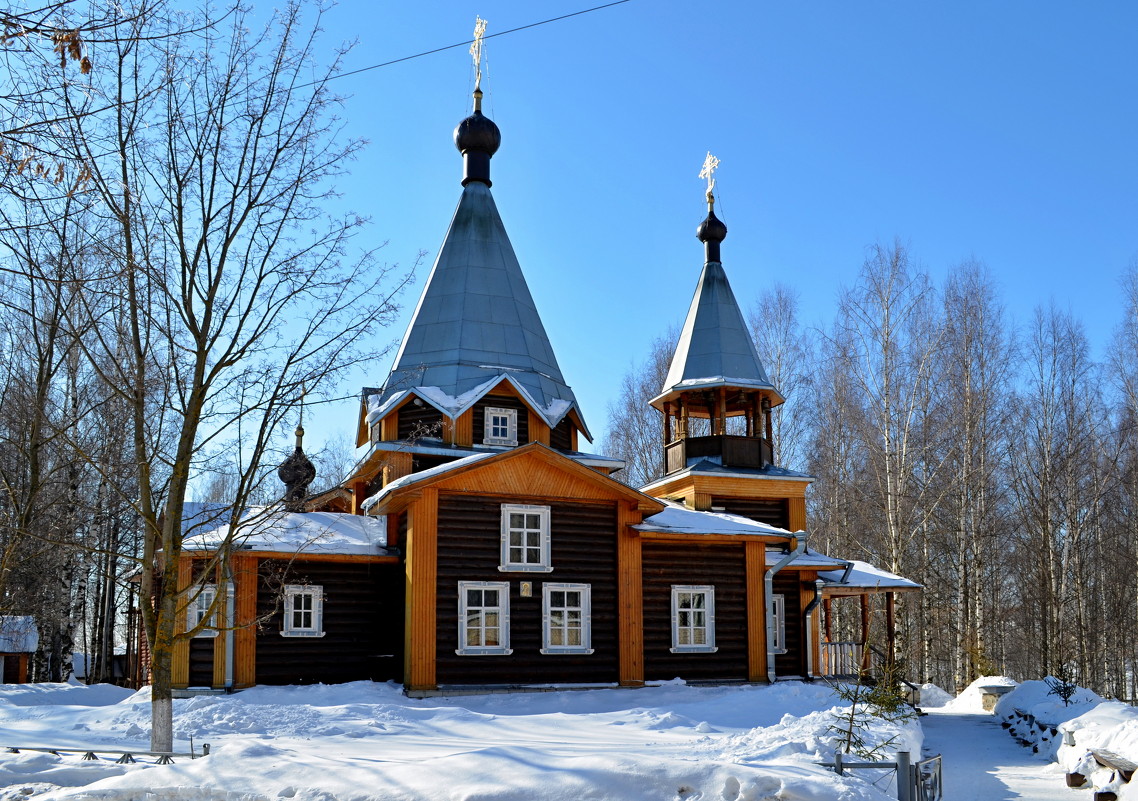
(477, 138)
(296, 473)
(711, 231)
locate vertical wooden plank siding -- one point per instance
(389, 427)
(359, 492)
(630, 595)
(797, 513)
(245, 610)
(397, 465)
(464, 429)
(180, 666)
(756, 612)
(422, 553)
(538, 429)
(703, 501)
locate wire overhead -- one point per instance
(468, 42)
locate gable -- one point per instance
(539, 472)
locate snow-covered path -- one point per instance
(983, 763)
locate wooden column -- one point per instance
(796, 512)
(180, 659)
(420, 620)
(245, 614)
(756, 556)
(630, 596)
(667, 423)
(890, 624)
(721, 425)
(359, 488)
(827, 615)
(864, 631)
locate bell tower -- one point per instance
(716, 404)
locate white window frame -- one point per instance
(201, 599)
(511, 416)
(708, 593)
(547, 622)
(545, 564)
(776, 624)
(291, 593)
(503, 646)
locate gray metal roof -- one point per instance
(476, 319)
(715, 347)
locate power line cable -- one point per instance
(467, 42)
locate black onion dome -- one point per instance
(712, 229)
(296, 473)
(477, 134)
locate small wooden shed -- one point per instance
(19, 639)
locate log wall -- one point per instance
(363, 623)
(722, 566)
(583, 551)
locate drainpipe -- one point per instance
(230, 633)
(768, 594)
(818, 583)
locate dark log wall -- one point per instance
(500, 402)
(416, 422)
(561, 436)
(363, 623)
(201, 661)
(583, 551)
(791, 663)
(722, 566)
(773, 511)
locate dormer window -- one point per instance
(501, 426)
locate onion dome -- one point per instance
(296, 473)
(477, 138)
(711, 231)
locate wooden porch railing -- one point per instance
(843, 658)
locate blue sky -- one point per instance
(1004, 131)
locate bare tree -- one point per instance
(635, 429)
(231, 282)
(786, 352)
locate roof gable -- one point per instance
(533, 470)
(476, 319)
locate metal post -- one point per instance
(838, 762)
(904, 777)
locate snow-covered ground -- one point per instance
(365, 742)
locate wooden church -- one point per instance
(476, 545)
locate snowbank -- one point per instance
(366, 741)
(933, 697)
(971, 697)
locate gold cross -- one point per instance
(476, 49)
(710, 165)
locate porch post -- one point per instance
(865, 662)
(890, 624)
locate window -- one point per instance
(483, 617)
(303, 611)
(566, 619)
(693, 618)
(199, 610)
(777, 624)
(501, 426)
(525, 538)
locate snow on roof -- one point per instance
(414, 478)
(18, 634)
(453, 406)
(866, 576)
(300, 532)
(681, 520)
